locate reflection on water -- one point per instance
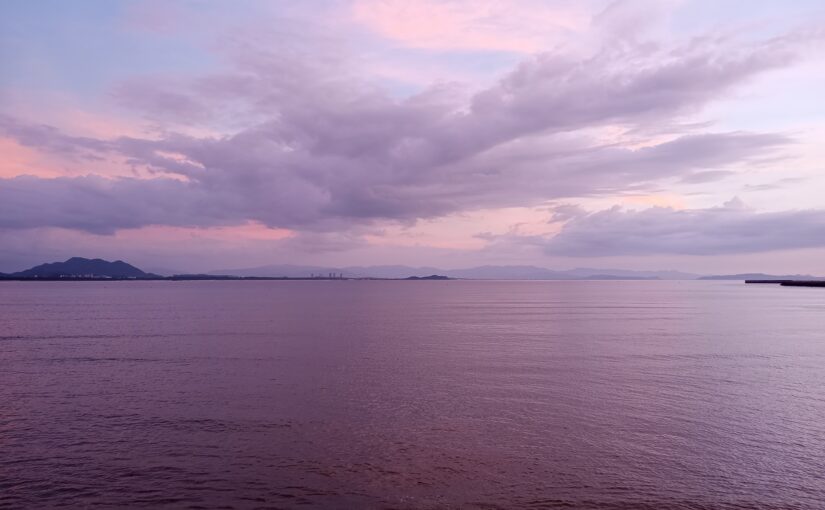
(379, 394)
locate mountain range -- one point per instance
(98, 268)
(476, 273)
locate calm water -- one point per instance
(382, 394)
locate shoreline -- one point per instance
(789, 283)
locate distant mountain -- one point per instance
(164, 271)
(476, 273)
(80, 267)
(507, 273)
(661, 275)
(389, 271)
(761, 276)
(284, 270)
(618, 277)
(541, 273)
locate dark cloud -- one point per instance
(100, 205)
(730, 229)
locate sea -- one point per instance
(412, 395)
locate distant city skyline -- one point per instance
(194, 135)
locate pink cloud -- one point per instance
(246, 244)
(523, 27)
(20, 160)
(87, 123)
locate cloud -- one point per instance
(50, 139)
(707, 176)
(102, 206)
(629, 19)
(242, 178)
(730, 229)
(493, 25)
(156, 98)
(328, 151)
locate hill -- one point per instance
(79, 267)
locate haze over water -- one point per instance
(389, 394)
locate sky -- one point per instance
(191, 135)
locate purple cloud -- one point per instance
(240, 178)
(328, 152)
(730, 229)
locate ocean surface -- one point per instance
(429, 394)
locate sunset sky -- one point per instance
(196, 135)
